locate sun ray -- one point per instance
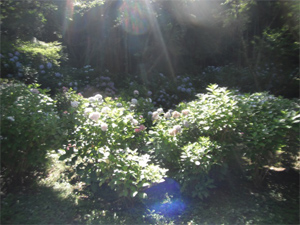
(158, 34)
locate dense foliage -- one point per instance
(29, 124)
(250, 45)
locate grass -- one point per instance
(54, 200)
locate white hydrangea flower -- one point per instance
(168, 115)
(135, 122)
(176, 114)
(94, 116)
(104, 126)
(34, 91)
(175, 130)
(185, 112)
(92, 99)
(155, 116)
(98, 97)
(160, 111)
(134, 101)
(186, 123)
(74, 104)
(105, 109)
(136, 92)
(87, 111)
(11, 118)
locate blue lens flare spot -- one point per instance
(165, 198)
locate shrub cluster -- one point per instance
(128, 145)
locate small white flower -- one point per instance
(129, 117)
(186, 123)
(94, 116)
(98, 97)
(34, 91)
(105, 109)
(134, 101)
(87, 111)
(119, 104)
(197, 163)
(148, 100)
(155, 116)
(176, 114)
(11, 118)
(177, 128)
(160, 111)
(74, 104)
(92, 99)
(136, 92)
(168, 115)
(135, 122)
(104, 127)
(185, 112)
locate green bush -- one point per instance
(228, 125)
(268, 125)
(106, 147)
(196, 164)
(29, 122)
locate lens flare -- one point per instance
(167, 198)
(133, 17)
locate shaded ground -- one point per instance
(239, 203)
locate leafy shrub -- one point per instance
(106, 147)
(197, 161)
(40, 52)
(267, 126)
(231, 125)
(29, 123)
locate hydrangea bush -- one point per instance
(220, 126)
(29, 122)
(107, 145)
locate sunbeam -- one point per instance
(158, 35)
(69, 12)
